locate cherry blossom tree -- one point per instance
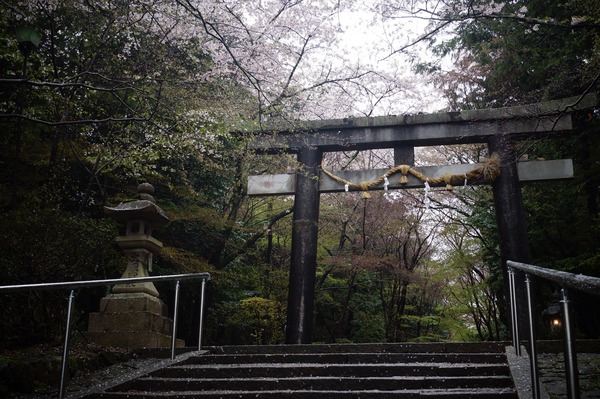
(303, 59)
(496, 53)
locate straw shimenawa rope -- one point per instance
(489, 171)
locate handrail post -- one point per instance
(570, 354)
(513, 311)
(65, 356)
(73, 285)
(175, 317)
(535, 382)
(202, 292)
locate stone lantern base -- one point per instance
(131, 321)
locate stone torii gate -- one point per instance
(499, 128)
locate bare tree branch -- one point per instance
(72, 122)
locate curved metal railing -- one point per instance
(566, 281)
(72, 285)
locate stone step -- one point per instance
(330, 371)
(327, 383)
(432, 347)
(282, 370)
(313, 394)
(349, 358)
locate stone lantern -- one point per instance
(133, 316)
(137, 244)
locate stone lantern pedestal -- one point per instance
(133, 316)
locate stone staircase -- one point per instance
(436, 370)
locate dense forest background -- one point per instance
(116, 93)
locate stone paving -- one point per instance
(552, 375)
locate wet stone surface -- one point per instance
(551, 371)
(552, 375)
(86, 382)
(108, 376)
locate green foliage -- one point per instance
(48, 245)
(194, 229)
(367, 327)
(248, 305)
(108, 100)
(348, 306)
(181, 260)
(522, 52)
(530, 51)
(565, 230)
(260, 320)
(40, 246)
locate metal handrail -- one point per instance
(581, 282)
(565, 280)
(72, 285)
(98, 283)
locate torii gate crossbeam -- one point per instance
(476, 126)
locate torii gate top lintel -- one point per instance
(462, 127)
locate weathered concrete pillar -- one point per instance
(510, 218)
(305, 229)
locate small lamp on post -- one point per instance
(552, 314)
(28, 39)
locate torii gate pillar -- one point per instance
(305, 230)
(510, 218)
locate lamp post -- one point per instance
(28, 39)
(552, 314)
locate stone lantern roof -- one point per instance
(144, 208)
